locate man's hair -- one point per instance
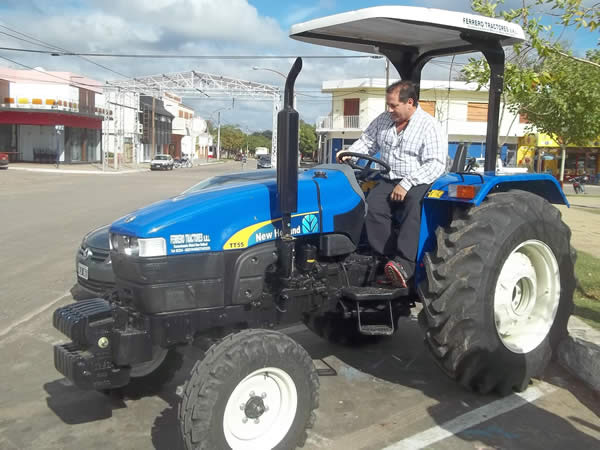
(406, 89)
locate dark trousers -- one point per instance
(383, 213)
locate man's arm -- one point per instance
(367, 142)
(433, 159)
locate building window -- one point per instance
(477, 112)
(181, 114)
(428, 107)
(523, 118)
(351, 106)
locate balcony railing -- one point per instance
(340, 123)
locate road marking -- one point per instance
(31, 315)
(472, 418)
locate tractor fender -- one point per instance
(438, 204)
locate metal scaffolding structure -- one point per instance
(198, 84)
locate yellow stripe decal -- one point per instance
(240, 238)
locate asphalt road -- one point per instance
(390, 394)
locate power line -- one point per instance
(54, 47)
(206, 57)
(77, 83)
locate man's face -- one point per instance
(401, 112)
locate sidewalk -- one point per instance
(88, 169)
(579, 353)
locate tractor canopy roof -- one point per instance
(422, 30)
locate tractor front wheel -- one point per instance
(256, 389)
(499, 292)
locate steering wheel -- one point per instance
(365, 171)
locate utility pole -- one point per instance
(387, 72)
(153, 130)
(219, 135)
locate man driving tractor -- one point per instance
(412, 143)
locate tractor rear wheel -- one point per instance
(499, 292)
(255, 389)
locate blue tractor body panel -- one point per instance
(241, 213)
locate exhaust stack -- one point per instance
(287, 159)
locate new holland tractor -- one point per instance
(495, 272)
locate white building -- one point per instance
(45, 116)
(121, 129)
(460, 108)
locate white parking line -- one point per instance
(472, 418)
(32, 314)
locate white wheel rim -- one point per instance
(527, 296)
(270, 394)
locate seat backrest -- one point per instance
(458, 165)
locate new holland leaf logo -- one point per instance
(310, 224)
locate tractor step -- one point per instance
(373, 294)
(376, 329)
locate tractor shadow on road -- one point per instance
(374, 384)
(75, 406)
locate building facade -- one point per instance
(47, 117)
(460, 108)
(155, 139)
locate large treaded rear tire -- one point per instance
(459, 315)
(205, 412)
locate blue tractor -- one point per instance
(234, 262)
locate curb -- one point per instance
(79, 172)
(579, 352)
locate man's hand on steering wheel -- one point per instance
(345, 157)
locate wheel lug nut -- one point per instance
(266, 408)
(244, 419)
(252, 394)
(243, 406)
(263, 395)
(256, 421)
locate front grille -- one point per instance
(98, 254)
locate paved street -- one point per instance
(384, 395)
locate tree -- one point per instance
(258, 139)
(308, 139)
(558, 92)
(232, 138)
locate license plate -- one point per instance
(82, 271)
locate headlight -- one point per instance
(152, 247)
(132, 246)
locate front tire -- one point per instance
(256, 389)
(499, 292)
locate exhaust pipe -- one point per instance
(288, 121)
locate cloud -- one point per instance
(200, 27)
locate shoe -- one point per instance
(396, 274)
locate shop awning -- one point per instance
(50, 119)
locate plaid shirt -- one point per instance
(416, 155)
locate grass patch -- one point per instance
(587, 294)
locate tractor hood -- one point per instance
(241, 215)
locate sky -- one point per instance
(207, 27)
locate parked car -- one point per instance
(162, 162)
(92, 261)
(263, 162)
(3, 160)
(93, 264)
